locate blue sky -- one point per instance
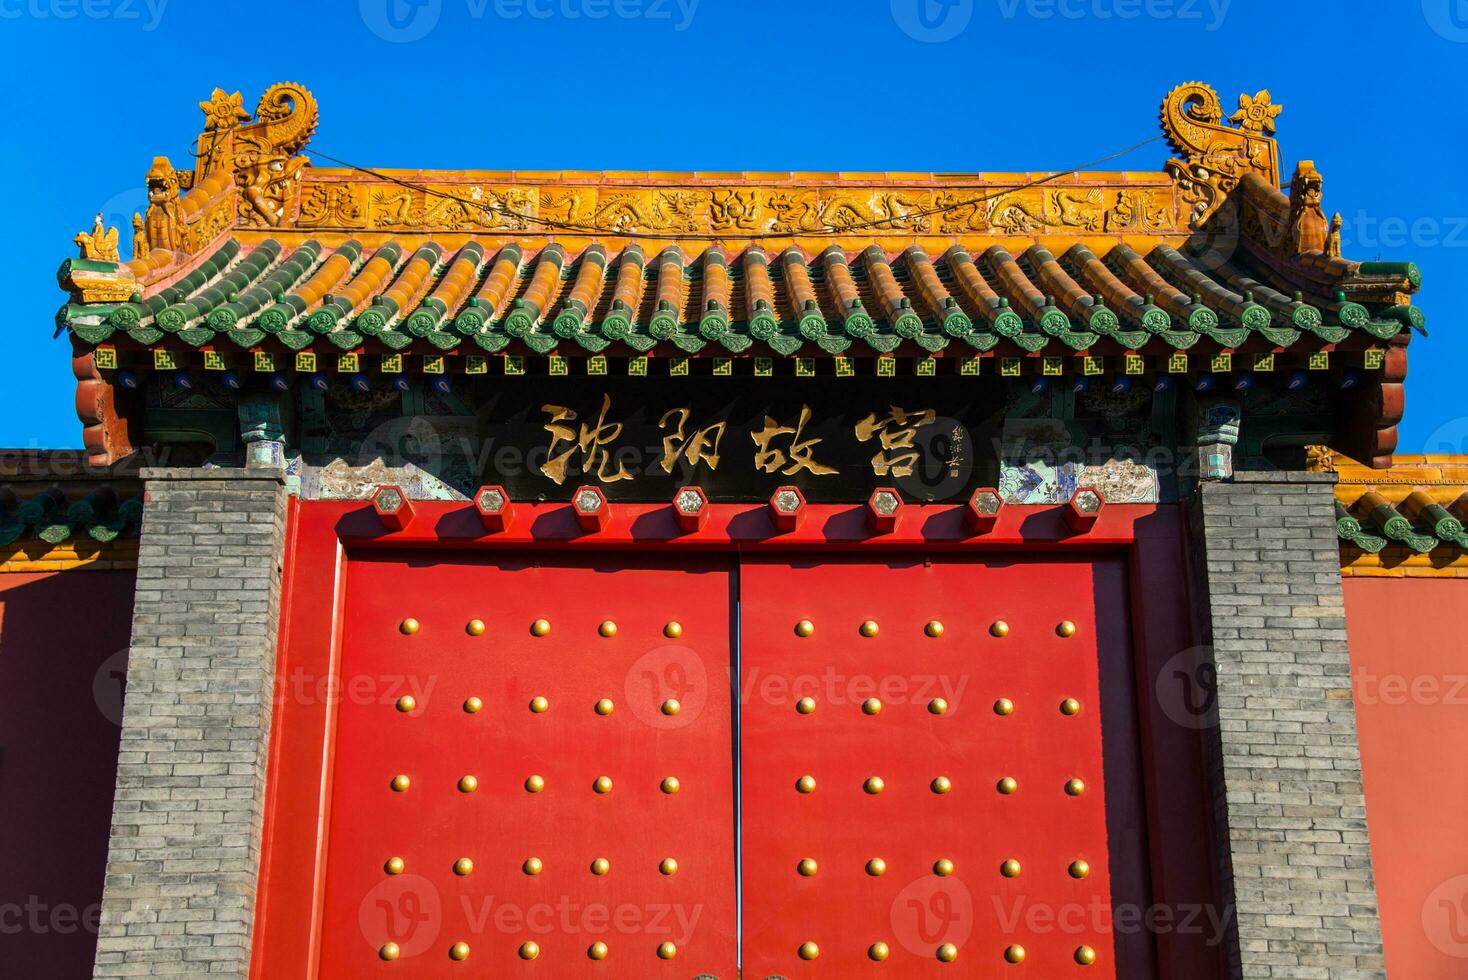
(92, 90)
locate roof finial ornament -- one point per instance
(1333, 239)
(263, 153)
(1307, 220)
(140, 237)
(1215, 155)
(100, 245)
(164, 221)
(223, 111)
(1256, 113)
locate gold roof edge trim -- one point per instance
(1406, 473)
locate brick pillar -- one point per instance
(186, 818)
(1291, 819)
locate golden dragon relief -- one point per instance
(733, 210)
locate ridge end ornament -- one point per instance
(1308, 228)
(1214, 155)
(99, 245)
(259, 155)
(164, 226)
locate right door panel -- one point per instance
(922, 768)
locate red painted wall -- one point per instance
(63, 653)
(1409, 661)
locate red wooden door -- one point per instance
(469, 826)
(885, 706)
(969, 688)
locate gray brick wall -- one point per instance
(184, 851)
(1287, 768)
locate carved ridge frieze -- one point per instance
(334, 201)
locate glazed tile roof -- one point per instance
(1407, 519)
(54, 498)
(256, 252)
(1023, 298)
(51, 516)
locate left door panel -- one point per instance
(550, 796)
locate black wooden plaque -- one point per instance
(739, 438)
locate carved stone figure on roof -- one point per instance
(164, 222)
(267, 184)
(101, 244)
(1307, 220)
(140, 237)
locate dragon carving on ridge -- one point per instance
(1214, 155)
